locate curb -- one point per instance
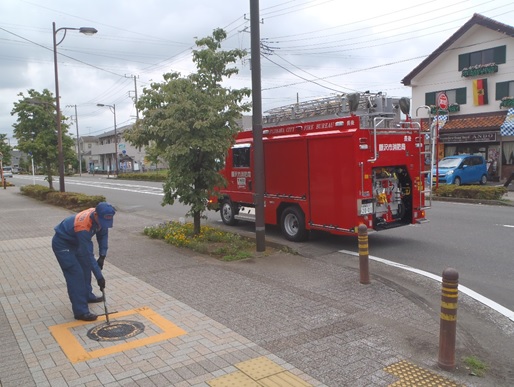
(501, 202)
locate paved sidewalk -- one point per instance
(279, 320)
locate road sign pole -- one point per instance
(442, 104)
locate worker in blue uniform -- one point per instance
(73, 247)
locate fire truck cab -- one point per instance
(357, 163)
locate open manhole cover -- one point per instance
(116, 330)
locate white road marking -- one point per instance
(484, 300)
(117, 186)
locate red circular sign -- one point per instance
(442, 101)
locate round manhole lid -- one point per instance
(116, 330)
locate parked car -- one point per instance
(461, 169)
(7, 171)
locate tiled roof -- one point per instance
(472, 123)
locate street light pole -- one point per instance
(83, 30)
(113, 110)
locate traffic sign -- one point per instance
(442, 101)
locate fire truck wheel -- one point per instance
(227, 212)
(292, 223)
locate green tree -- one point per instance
(5, 149)
(152, 154)
(193, 121)
(36, 132)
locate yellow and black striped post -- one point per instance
(363, 254)
(448, 326)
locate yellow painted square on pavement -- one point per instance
(76, 352)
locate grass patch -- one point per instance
(476, 366)
(217, 243)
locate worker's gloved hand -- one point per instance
(100, 261)
(101, 283)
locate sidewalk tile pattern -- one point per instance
(275, 321)
(34, 301)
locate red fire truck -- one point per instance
(331, 165)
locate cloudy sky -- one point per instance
(315, 48)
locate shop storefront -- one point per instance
(477, 134)
(485, 143)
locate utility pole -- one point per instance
(257, 125)
(135, 94)
(79, 153)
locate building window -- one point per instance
(504, 89)
(455, 96)
(496, 55)
(508, 153)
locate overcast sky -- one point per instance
(317, 48)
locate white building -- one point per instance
(100, 153)
(475, 68)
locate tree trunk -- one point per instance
(49, 177)
(196, 223)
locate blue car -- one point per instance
(461, 169)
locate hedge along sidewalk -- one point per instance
(69, 200)
(471, 192)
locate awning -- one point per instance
(507, 128)
(469, 123)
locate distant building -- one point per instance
(17, 158)
(98, 152)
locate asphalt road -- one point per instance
(474, 239)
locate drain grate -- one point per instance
(116, 330)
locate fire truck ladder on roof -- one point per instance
(335, 105)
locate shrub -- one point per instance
(471, 192)
(212, 241)
(36, 191)
(74, 201)
(70, 200)
(147, 176)
(7, 183)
